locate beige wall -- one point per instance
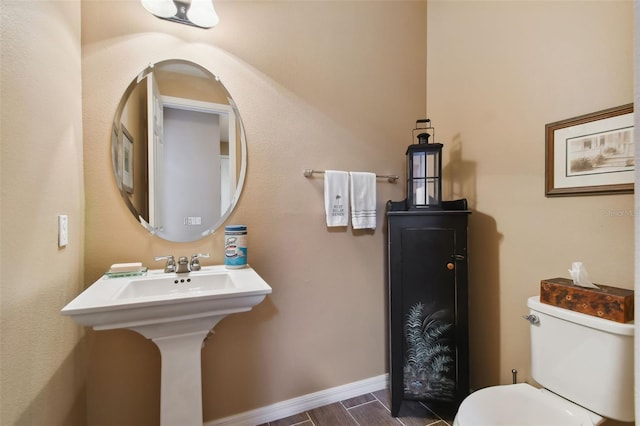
(636, 57)
(43, 355)
(324, 85)
(497, 73)
(309, 97)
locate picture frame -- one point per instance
(592, 154)
(127, 160)
(116, 150)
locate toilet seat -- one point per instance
(523, 405)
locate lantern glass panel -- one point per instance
(419, 172)
(425, 180)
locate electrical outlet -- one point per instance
(63, 230)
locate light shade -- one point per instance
(199, 13)
(202, 13)
(160, 8)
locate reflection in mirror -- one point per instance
(178, 150)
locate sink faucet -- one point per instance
(195, 263)
(170, 266)
(183, 265)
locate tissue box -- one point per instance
(606, 302)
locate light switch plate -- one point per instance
(63, 230)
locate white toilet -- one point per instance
(585, 364)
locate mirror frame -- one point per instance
(117, 130)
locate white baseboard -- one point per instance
(297, 405)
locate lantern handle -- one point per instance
(426, 123)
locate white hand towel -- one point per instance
(363, 200)
(336, 197)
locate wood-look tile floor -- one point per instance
(371, 409)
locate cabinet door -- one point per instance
(428, 303)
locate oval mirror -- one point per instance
(179, 150)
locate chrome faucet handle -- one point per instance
(195, 262)
(170, 266)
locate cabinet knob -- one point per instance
(450, 266)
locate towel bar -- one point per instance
(390, 178)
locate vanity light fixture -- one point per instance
(198, 13)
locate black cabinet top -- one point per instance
(448, 207)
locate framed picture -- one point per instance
(127, 160)
(592, 154)
(115, 155)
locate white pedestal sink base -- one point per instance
(181, 371)
(181, 388)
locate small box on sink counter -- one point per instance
(606, 302)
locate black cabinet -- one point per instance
(428, 321)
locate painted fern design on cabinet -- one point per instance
(429, 357)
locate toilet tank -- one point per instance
(585, 359)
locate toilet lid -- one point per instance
(523, 405)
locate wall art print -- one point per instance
(591, 154)
(429, 365)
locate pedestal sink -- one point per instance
(177, 312)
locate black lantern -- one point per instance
(424, 169)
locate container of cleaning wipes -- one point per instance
(235, 246)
